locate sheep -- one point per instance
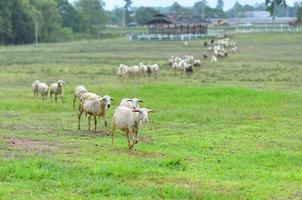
(94, 107)
(214, 58)
(205, 55)
(154, 69)
(143, 69)
(188, 69)
(43, 90)
(122, 71)
(132, 71)
(129, 120)
(34, 87)
(205, 44)
(57, 89)
(78, 92)
(196, 63)
(131, 103)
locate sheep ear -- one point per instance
(141, 101)
(129, 100)
(111, 99)
(135, 110)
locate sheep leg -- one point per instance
(51, 96)
(95, 122)
(136, 136)
(129, 143)
(79, 119)
(89, 119)
(113, 134)
(56, 98)
(74, 100)
(62, 98)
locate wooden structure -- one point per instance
(177, 24)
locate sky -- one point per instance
(110, 4)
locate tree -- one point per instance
(236, 11)
(220, 4)
(144, 14)
(5, 21)
(207, 11)
(299, 13)
(127, 7)
(271, 6)
(93, 15)
(71, 18)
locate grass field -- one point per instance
(231, 131)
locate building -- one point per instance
(177, 24)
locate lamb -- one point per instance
(131, 103)
(129, 120)
(94, 107)
(43, 90)
(57, 89)
(78, 92)
(34, 87)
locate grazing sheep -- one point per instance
(43, 90)
(78, 92)
(131, 103)
(57, 89)
(129, 120)
(34, 87)
(94, 107)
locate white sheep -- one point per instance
(57, 89)
(131, 103)
(143, 69)
(197, 63)
(214, 58)
(154, 70)
(34, 87)
(43, 90)
(133, 71)
(129, 120)
(78, 92)
(122, 71)
(94, 107)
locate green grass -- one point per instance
(231, 131)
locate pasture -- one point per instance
(232, 130)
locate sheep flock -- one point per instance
(128, 116)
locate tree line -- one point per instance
(29, 21)
(25, 21)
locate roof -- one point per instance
(177, 19)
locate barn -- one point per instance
(175, 27)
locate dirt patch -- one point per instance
(138, 153)
(31, 145)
